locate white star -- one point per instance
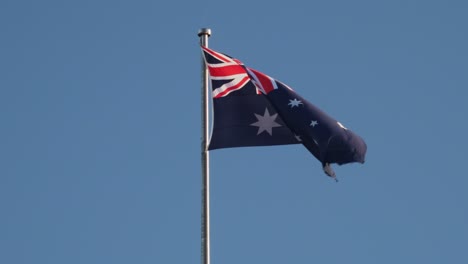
(341, 125)
(298, 138)
(313, 123)
(266, 122)
(294, 103)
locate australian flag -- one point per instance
(252, 109)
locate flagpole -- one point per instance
(204, 34)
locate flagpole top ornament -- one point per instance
(204, 31)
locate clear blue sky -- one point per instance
(100, 133)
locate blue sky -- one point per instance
(100, 134)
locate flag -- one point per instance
(252, 109)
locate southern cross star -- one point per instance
(341, 125)
(266, 122)
(294, 103)
(298, 138)
(313, 123)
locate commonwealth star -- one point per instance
(266, 122)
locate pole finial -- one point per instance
(204, 31)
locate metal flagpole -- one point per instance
(204, 34)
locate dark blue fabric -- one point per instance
(233, 116)
(327, 140)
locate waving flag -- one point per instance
(253, 109)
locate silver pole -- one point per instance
(204, 34)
